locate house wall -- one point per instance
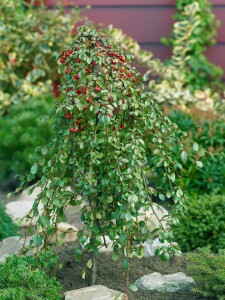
(147, 21)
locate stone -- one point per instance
(95, 292)
(19, 209)
(156, 215)
(24, 196)
(71, 233)
(149, 250)
(13, 245)
(165, 283)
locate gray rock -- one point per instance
(149, 249)
(19, 209)
(165, 283)
(13, 245)
(71, 233)
(95, 292)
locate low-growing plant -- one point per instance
(202, 224)
(21, 280)
(21, 131)
(100, 124)
(31, 39)
(208, 271)
(7, 227)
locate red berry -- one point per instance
(67, 71)
(85, 106)
(101, 104)
(123, 101)
(76, 76)
(121, 71)
(94, 63)
(63, 57)
(129, 74)
(108, 46)
(115, 54)
(69, 116)
(78, 121)
(62, 60)
(109, 99)
(73, 130)
(110, 53)
(97, 113)
(97, 44)
(78, 60)
(79, 92)
(97, 89)
(135, 79)
(89, 99)
(122, 127)
(88, 70)
(109, 115)
(113, 128)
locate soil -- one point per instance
(111, 274)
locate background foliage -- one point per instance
(202, 224)
(208, 272)
(21, 132)
(31, 38)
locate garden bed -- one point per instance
(111, 274)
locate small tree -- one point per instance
(101, 123)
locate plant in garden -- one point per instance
(7, 227)
(31, 39)
(21, 280)
(193, 32)
(21, 132)
(208, 271)
(208, 130)
(202, 224)
(100, 124)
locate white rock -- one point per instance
(24, 196)
(95, 292)
(149, 250)
(157, 214)
(71, 233)
(13, 245)
(19, 209)
(165, 283)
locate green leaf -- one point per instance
(199, 164)
(89, 264)
(179, 193)
(133, 287)
(125, 263)
(115, 256)
(34, 169)
(184, 156)
(195, 147)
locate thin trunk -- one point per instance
(93, 271)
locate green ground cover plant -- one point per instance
(22, 280)
(208, 271)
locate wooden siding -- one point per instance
(147, 21)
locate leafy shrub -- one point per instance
(209, 133)
(7, 227)
(193, 33)
(21, 131)
(20, 280)
(208, 271)
(31, 40)
(202, 224)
